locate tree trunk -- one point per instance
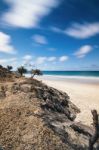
(33, 75)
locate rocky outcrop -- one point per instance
(34, 116)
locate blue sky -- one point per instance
(50, 34)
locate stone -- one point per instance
(15, 88)
(2, 95)
(1, 148)
(38, 117)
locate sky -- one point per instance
(50, 34)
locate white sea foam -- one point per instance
(84, 79)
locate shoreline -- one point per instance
(74, 79)
(69, 77)
(83, 93)
(72, 76)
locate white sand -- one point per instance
(83, 93)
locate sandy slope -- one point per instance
(84, 95)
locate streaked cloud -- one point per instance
(63, 58)
(83, 51)
(5, 44)
(55, 29)
(38, 60)
(94, 66)
(41, 60)
(79, 31)
(7, 61)
(51, 58)
(52, 49)
(27, 57)
(25, 14)
(83, 31)
(40, 39)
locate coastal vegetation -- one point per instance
(6, 74)
(9, 68)
(36, 72)
(21, 70)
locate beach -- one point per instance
(83, 92)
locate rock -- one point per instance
(15, 88)
(2, 92)
(1, 148)
(38, 112)
(25, 88)
(2, 95)
(34, 116)
(57, 101)
(82, 129)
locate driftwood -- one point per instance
(93, 139)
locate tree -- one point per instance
(9, 68)
(21, 70)
(1, 66)
(36, 72)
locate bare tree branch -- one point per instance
(95, 137)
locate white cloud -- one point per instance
(52, 49)
(83, 51)
(82, 31)
(6, 61)
(55, 29)
(27, 57)
(79, 31)
(27, 14)
(2, 61)
(63, 58)
(40, 39)
(12, 59)
(51, 58)
(41, 60)
(5, 44)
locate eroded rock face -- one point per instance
(34, 116)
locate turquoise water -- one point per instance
(73, 73)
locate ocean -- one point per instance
(73, 73)
(72, 76)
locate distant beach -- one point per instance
(83, 92)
